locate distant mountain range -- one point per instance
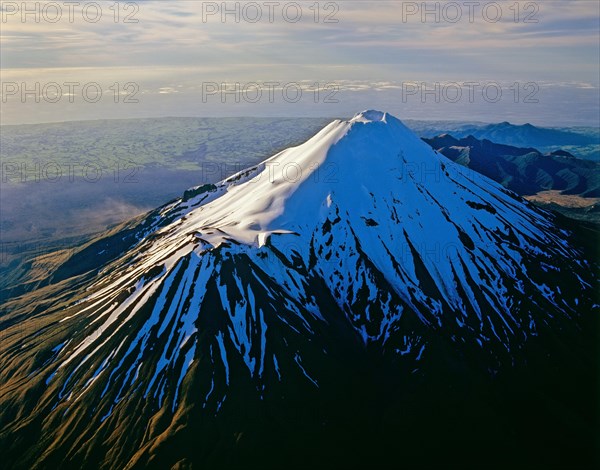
(581, 142)
(526, 135)
(524, 170)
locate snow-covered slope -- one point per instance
(363, 237)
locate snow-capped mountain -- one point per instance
(272, 284)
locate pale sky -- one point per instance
(543, 56)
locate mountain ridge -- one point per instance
(524, 170)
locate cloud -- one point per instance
(176, 34)
(172, 48)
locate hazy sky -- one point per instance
(177, 57)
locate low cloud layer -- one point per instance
(172, 48)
